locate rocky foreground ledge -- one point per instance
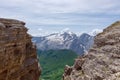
(18, 58)
(102, 61)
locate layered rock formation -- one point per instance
(102, 61)
(18, 58)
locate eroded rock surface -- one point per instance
(18, 58)
(102, 61)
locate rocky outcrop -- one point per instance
(18, 58)
(102, 61)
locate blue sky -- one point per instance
(48, 16)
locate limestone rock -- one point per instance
(102, 61)
(18, 58)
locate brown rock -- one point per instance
(18, 59)
(67, 70)
(78, 63)
(103, 60)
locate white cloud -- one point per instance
(40, 29)
(38, 32)
(61, 6)
(61, 12)
(66, 29)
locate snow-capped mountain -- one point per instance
(64, 40)
(95, 32)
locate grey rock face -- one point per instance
(102, 61)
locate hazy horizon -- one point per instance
(43, 17)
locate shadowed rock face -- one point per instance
(18, 58)
(102, 61)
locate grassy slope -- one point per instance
(54, 61)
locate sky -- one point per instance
(43, 17)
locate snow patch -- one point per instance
(95, 32)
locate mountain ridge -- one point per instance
(64, 40)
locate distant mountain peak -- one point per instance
(66, 32)
(95, 32)
(65, 40)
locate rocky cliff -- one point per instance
(18, 59)
(102, 61)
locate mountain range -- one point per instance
(65, 40)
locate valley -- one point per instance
(53, 63)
